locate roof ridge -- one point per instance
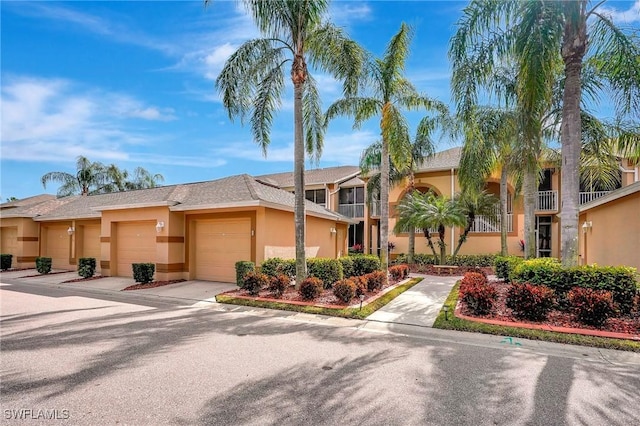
(250, 181)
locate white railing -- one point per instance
(351, 210)
(486, 224)
(547, 200)
(586, 197)
(419, 231)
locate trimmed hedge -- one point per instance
(619, 280)
(505, 266)
(242, 268)
(327, 270)
(86, 267)
(276, 266)
(365, 264)
(143, 272)
(347, 266)
(476, 260)
(5, 261)
(43, 265)
(532, 302)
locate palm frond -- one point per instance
(359, 108)
(313, 119)
(395, 132)
(266, 101)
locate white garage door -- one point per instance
(9, 243)
(136, 243)
(219, 245)
(57, 246)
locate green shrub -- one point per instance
(593, 307)
(86, 267)
(242, 268)
(279, 285)
(532, 302)
(505, 266)
(5, 261)
(542, 271)
(475, 260)
(619, 280)
(327, 270)
(344, 290)
(365, 264)
(43, 265)
(143, 272)
(477, 293)
(347, 266)
(376, 280)
(272, 266)
(310, 288)
(253, 282)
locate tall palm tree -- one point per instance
(430, 211)
(390, 92)
(421, 148)
(542, 34)
(252, 82)
(473, 204)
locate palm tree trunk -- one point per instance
(504, 194)
(442, 244)
(463, 237)
(412, 229)
(427, 235)
(573, 50)
(298, 170)
(530, 194)
(384, 206)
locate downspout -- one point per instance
(453, 240)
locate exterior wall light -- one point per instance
(586, 225)
(71, 230)
(332, 230)
(159, 226)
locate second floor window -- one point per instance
(352, 195)
(318, 196)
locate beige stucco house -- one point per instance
(190, 231)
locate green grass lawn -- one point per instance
(344, 313)
(455, 323)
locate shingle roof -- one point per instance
(312, 176)
(29, 201)
(239, 190)
(447, 159)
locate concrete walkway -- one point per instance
(419, 305)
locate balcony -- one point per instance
(374, 209)
(486, 224)
(586, 197)
(351, 210)
(547, 201)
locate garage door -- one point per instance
(136, 243)
(91, 243)
(9, 243)
(57, 243)
(219, 245)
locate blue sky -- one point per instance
(132, 83)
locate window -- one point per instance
(352, 195)
(318, 196)
(545, 182)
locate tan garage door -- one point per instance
(91, 243)
(9, 243)
(219, 245)
(57, 244)
(136, 243)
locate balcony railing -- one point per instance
(486, 224)
(547, 201)
(586, 197)
(351, 210)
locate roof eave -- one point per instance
(188, 207)
(135, 206)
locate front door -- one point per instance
(543, 231)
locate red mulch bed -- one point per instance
(77, 280)
(556, 318)
(326, 298)
(151, 285)
(50, 273)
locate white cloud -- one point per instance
(343, 12)
(54, 119)
(629, 16)
(215, 60)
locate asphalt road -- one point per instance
(94, 359)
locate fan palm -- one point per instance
(390, 93)
(429, 211)
(252, 82)
(475, 203)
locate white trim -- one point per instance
(613, 195)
